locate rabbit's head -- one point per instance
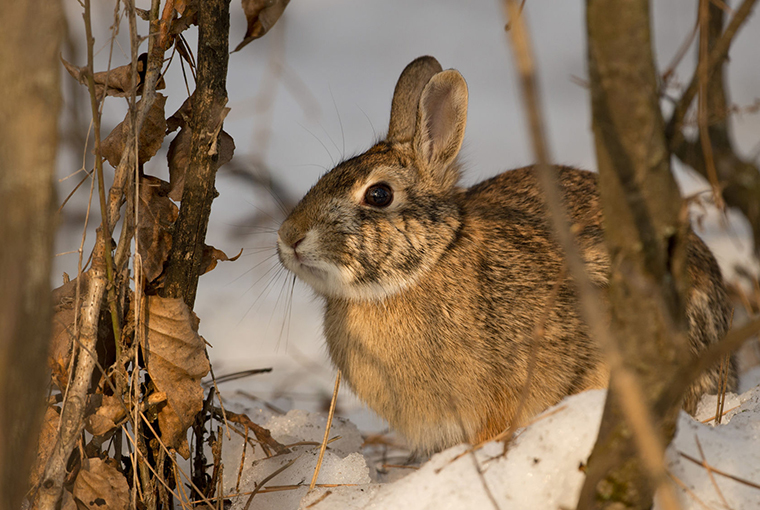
(376, 222)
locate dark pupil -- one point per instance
(379, 195)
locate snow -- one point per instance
(342, 463)
(541, 468)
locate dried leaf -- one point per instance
(67, 501)
(226, 148)
(175, 355)
(59, 354)
(261, 16)
(109, 412)
(211, 256)
(178, 158)
(151, 135)
(62, 335)
(45, 444)
(118, 79)
(157, 214)
(189, 12)
(101, 486)
(181, 117)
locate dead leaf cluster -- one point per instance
(144, 394)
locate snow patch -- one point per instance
(541, 469)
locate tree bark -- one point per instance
(209, 99)
(30, 36)
(646, 238)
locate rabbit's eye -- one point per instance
(379, 195)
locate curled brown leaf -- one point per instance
(151, 135)
(178, 157)
(156, 215)
(261, 16)
(108, 413)
(211, 256)
(175, 355)
(116, 82)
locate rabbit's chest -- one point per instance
(401, 359)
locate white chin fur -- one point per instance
(326, 278)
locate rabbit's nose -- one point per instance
(290, 235)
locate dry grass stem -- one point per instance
(283, 488)
(174, 460)
(242, 459)
(708, 420)
(327, 431)
(221, 403)
(690, 492)
(710, 474)
(263, 482)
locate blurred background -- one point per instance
(317, 89)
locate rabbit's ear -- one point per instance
(406, 97)
(441, 119)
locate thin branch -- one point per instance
(673, 130)
(710, 473)
(703, 74)
(105, 224)
(719, 472)
(707, 359)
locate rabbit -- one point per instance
(432, 291)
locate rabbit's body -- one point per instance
(438, 299)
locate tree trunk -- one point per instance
(645, 235)
(30, 37)
(209, 100)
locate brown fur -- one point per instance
(431, 302)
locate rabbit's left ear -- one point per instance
(441, 120)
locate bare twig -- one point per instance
(262, 435)
(209, 100)
(690, 492)
(703, 80)
(721, 473)
(733, 340)
(717, 55)
(327, 431)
